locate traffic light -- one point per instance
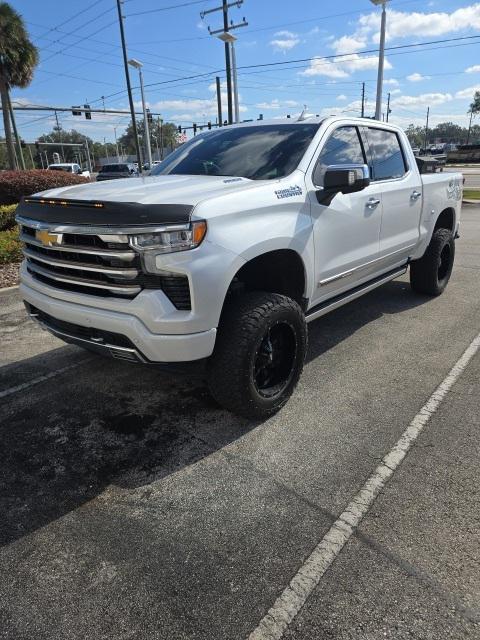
(194, 128)
(23, 144)
(149, 117)
(179, 128)
(75, 111)
(209, 125)
(88, 115)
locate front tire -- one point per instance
(431, 273)
(259, 354)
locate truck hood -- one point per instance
(154, 200)
(166, 189)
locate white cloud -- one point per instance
(422, 100)
(341, 97)
(391, 81)
(395, 92)
(417, 77)
(276, 104)
(342, 67)
(284, 41)
(474, 69)
(285, 34)
(347, 44)
(468, 92)
(407, 24)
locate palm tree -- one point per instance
(18, 59)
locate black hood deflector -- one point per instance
(100, 213)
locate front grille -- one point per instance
(104, 266)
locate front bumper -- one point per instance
(147, 346)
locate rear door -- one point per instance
(401, 190)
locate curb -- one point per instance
(470, 201)
(15, 286)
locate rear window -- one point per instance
(60, 167)
(387, 157)
(114, 168)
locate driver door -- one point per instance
(347, 231)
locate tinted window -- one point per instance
(262, 152)
(342, 147)
(114, 168)
(387, 157)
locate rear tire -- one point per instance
(431, 273)
(259, 354)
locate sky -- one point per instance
(318, 54)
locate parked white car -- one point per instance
(69, 167)
(236, 241)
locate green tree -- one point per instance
(159, 131)
(18, 59)
(475, 105)
(69, 154)
(416, 135)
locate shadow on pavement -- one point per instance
(65, 440)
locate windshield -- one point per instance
(114, 168)
(263, 152)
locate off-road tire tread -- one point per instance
(423, 272)
(228, 377)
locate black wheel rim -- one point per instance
(444, 262)
(274, 361)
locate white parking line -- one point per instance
(289, 603)
(47, 376)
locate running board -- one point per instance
(352, 294)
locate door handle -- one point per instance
(415, 195)
(372, 203)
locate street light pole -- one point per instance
(116, 143)
(381, 58)
(138, 65)
(129, 87)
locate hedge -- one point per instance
(7, 216)
(16, 184)
(10, 246)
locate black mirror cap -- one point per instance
(345, 178)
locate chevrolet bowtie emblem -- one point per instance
(48, 239)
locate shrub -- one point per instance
(7, 216)
(10, 246)
(16, 184)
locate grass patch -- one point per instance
(10, 246)
(471, 194)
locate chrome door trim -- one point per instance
(345, 274)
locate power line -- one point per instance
(173, 6)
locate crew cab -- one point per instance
(232, 245)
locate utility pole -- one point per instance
(426, 129)
(90, 168)
(469, 126)
(59, 129)
(31, 156)
(129, 87)
(381, 59)
(225, 31)
(116, 143)
(160, 122)
(363, 100)
(388, 105)
(219, 102)
(17, 138)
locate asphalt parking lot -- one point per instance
(133, 507)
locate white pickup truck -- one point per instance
(233, 244)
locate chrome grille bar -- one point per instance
(126, 255)
(129, 290)
(66, 264)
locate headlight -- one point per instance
(176, 238)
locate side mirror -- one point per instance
(343, 178)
